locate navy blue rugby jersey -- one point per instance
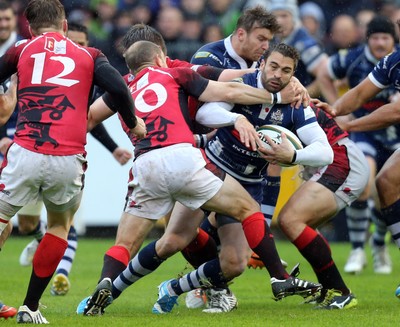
(221, 54)
(355, 65)
(227, 152)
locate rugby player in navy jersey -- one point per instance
(47, 158)
(355, 65)
(386, 73)
(329, 186)
(253, 33)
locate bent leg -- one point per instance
(132, 231)
(311, 205)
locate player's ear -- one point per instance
(65, 26)
(31, 31)
(241, 33)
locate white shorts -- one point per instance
(346, 177)
(163, 176)
(32, 209)
(27, 177)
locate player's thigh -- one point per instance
(370, 188)
(184, 212)
(388, 180)
(232, 200)
(311, 205)
(180, 231)
(132, 231)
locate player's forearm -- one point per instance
(216, 114)
(383, 117)
(117, 96)
(100, 133)
(230, 74)
(245, 94)
(327, 87)
(356, 97)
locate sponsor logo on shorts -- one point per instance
(2, 189)
(133, 204)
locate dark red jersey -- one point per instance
(55, 81)
(161, 99)
(329, 125)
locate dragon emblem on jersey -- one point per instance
(33, 103)
(157, 132)
(277, 116)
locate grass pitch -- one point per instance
(377, 304)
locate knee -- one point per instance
(26, 226)
(169, 245)
(282, 221)
(383, 181)
(233, 266)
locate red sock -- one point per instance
(119, 253)
(115, 261)
(48, 255)
(261, 241)
(305, 238)
(254, 229)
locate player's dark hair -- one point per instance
(140, 54)
(285, 50)
(45, 14)
(5, 5)
(76, 27)
(143, 32)
(257, 17)
(381, 24)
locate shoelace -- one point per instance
(328, 297)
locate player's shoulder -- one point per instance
(93, 52)
(250, 78)
(210, 50)
(176, 63)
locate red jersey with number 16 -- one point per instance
(161, 100)
(55, 80)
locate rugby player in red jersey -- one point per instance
(47, 157)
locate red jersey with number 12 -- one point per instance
(55, 80)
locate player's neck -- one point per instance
(41, 31)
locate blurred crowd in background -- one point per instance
(188, 24)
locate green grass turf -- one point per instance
(377, 304)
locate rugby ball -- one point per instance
(274, 133)
(196, 298)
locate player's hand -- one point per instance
(277, 153)
(325, 107)
(122, 155)
(4, 144)
(290, 93)
(8, 100)
(300, 90)
(343, 121)
(140, 129)
(248, 135)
